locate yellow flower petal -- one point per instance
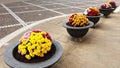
(28, 57)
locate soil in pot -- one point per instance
(36, 59)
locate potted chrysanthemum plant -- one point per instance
(35, 48)
(106, 9)
(113, 4)
(93, 14)
(78, 25)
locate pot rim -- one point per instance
(12, 62)
(100, 15)
(106, 9)
(84, 27)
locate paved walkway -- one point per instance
(10, 1)
(19, 14)
(99, 48)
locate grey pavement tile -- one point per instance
(26, 8)
(31, 1)
(0, 6)
(6, 31)
(75, 4)
(35, 16)
(2, 10)
(57, 1)
(78, 0)
(39, 3)
(70, 10)
(85, 7)
(53, 6)
(15, 4)
(93, 3)
(7, 19)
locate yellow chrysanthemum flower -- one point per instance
(78, 20)
(37, 44)
(32, 55)
(23, 51)
(28, 57)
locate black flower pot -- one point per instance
(94, 19)
(77, 32)
(106, 12)
(11, 59)
(114, 7)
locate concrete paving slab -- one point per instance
(38, 15)
(38, 2)
(98, 49)
(14, 4)
(53, 6)
(6, 31)
(0, 6)
(26, 8)
(33, 1)
(75, 4)
(69, 10)
(7, 19)
(10, 1)
(2, 10)
(56, 1)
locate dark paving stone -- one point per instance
(0, 6)
(26, 8)
(31, 1)
(7, 19)
(75, 4)
(63, 1)
(2, 10)
(57, 1)
(39, 2)
(84, 7)
(69, 10)
(94, 3)
(35, 16)
(53, 6)
(6, 31)
(14, 4)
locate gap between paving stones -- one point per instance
(10, 26)
(3, 13)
